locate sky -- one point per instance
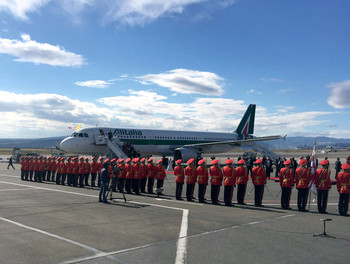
(175, 64)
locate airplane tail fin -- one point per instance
(246, 126)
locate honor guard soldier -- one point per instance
(48, 169)
(75, 171)
(81, 172)
(94, 170)
(68, 172)
(191, 177)
(229, 181)
(41, 168)
(160, 176)
(302, 180)
(323, 184)
(53, 168)
(259, 181)
(58, 171)
(343, 186)
(151, 174)
(286, 183)
(35, 168)
(87, 168)
(143, 170)
(179, 179)
(137, 176)
(128, 176)
(31, 168)
(202, 180)
(242, 180)
(215, 181)
(26, 168)
(121, 176)
(22, 168)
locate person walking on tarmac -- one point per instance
(215, 180)
(202, 179)
(104, 178)
(302, 180)
(160, 176)
(229, 181)
(323, 184)
(10, 163)
(259, 181)
(151, 174)
(191, 179)
(242, 180)
(343, 187)
(286, 183)
(179, 179)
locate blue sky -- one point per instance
(175, 64)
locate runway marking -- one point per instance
(106, 254)
(175, 201)
(10, 176)
(181, 251)
(52, 235)
(21, 189)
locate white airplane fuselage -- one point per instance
(146, 141)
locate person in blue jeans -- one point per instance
(103, 181)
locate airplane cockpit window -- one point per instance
(74, 134)
(86, 135)
(80, 135)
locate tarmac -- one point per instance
(49, 223)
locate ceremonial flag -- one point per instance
(69, 128)
(313, 170)
(78, 127)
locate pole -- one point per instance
(251, 190)
(309, 199)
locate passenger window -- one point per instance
(86, 135)
(80, 135)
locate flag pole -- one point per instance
(313, 172)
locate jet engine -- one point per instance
(185, 154)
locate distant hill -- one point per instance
(289, 143)
(50, 142)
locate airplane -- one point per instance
(179, 144)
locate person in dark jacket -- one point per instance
(103, 180)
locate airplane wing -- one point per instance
(233, 143)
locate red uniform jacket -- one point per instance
(94, 167)
(151, 170)
(48, 165)
(137, 171)
(302, 177)
(202, 175)
(160, 172)
(286, 177)
(179, 174)
(122, 172)
(343, 182)
(35, 165)
(87, 167)
(216, 175)
(110, 171)
(191, 174)
(30, 165)
(81, 168)
(322, 179)
(129, 171)
(53, 165)
(74, 168)
(143, 170)
(99, 167)
(242, 175)
(41, 165)
(258, 176)
(229, 176)
(69, 167)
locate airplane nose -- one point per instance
(64, 145)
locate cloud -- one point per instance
(27, 50)
(187, 81)
(94, 84)
(271, 80)
(124, 12)
(284, 108)
(40, 115)
(252, 91)
(340, 94)
(20, 8)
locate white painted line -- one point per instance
(184, 222)
(52, 235)
(10, 176)
(181, 252)
(175, 201)
(20, 189)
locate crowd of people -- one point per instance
(135, 176)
